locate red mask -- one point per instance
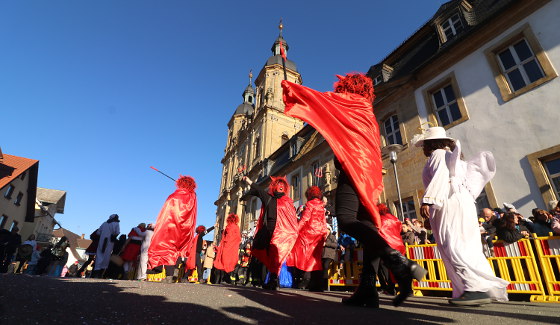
(278, 185)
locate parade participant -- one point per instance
(143, 261)
(276, 230)
(345, 119)
(174, 228)
(132, 246)
(312, 232)
(452, 186)
(196, 260)
(108, 233)
(90, 252)
(9, 242)
(228, 250)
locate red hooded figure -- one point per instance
(175, 223)
(228, 251)
(312, 232)
(191, 251)
(276, 230)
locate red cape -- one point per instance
(308, 249)
(283, 238)
(390, 230)
(174, 228)
(190, 254)
(228, 251)
(347, 122)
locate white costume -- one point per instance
(452, 185)
(143, 263)
(108, 229)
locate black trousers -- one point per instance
(354, 220)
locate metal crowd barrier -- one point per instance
(537, 274)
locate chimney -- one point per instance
(82, 236)
(1, 156)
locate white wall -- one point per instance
(513, 129)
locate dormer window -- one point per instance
(377, 80)
(451, 27)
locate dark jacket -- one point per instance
(509, 235)
(329, 250)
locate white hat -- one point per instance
(433, 133)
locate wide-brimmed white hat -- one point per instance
(433, 133)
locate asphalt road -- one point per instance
(42, 300)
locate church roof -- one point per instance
(244, 109)
(277, 59)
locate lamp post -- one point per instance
(392, 150)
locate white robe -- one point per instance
(452, 186)
(143, 263)
(105, 247)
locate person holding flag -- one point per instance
(345, 119)
(174, 228)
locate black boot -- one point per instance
(366, 293)
(272, 282)
(404, 271)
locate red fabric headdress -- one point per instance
(200, 229)
(355, 83)
(232, 218)
(314, 192)
(186, 182)
(274, 183)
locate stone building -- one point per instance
(18, 185)
(257, 128)
(485, 71)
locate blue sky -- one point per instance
(99, 91)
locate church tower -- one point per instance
(257, 128)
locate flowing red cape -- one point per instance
(228, 251)
(348, 124)
(308, 249)
(390, 230)
(283, 238)
(174, 228)
(190, 254)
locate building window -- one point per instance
(482, 201)
(22, 176)
(293, 148)
(296, 188)
(14, 224)
(9, 191)
(392, 130)
(377, 80)
(18, 199)
(257, 147)
(519, 64)
(3, 220)
(446, 103)
(553, 172)
(451, 27)
(408, 207)
(545, 165)
(317, 171)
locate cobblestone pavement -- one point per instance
(42, 300)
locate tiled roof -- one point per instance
(74, 240)
(47, 195)
(13, 166)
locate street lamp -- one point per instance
(392, 150)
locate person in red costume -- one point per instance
(174, 228)
(228, 250)
(132, 246)
(276, 230)
(345, 119)
(392, 234)
(195, 249)
(312, 232)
